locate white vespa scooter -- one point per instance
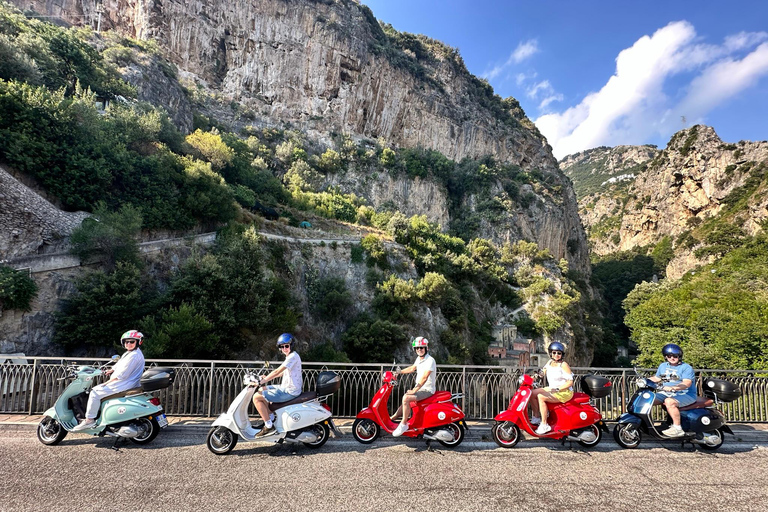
(305, 419)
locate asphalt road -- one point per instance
(177, 472)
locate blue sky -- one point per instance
(604, 73)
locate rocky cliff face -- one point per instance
(29, 224)
(681, 188)
(327, 66)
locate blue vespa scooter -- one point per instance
(704, 425)
(132, 414)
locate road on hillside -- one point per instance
(177, 472)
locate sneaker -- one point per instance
(400, 430)
(674, 431)
(543, 429)
(266, 431)
(535, 420)
(84, 425)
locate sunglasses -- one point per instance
(129, 341)
(672, 356)
(281, 347)
(421, 348)
(556, 353)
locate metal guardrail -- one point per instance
(206, 388)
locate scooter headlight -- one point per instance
(641, 382)
(520, 379)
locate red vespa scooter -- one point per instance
(575, 420)
(435, 418)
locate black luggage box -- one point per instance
(157, 378)
(596, 386)
(724, 390)
(327, 383)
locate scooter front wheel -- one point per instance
(322, 432)
(148, 430)
(50, 431)
(365, 430)
(627, 435)
(221, 440)
(506, 434)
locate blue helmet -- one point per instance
(556, 345)
(670, 349)
(286, 338)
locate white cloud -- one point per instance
(632, 106)
(543, 86)
(523, 51)
(549, 99)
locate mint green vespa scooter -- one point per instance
(132, 414)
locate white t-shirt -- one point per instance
(291, 382)
(129, 368)
(423, 365)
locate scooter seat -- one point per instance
(121, 394)
(580, 398)
(700, 403)
(439, 396)
(304, 397)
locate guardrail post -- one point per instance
(463, 388)
(32, 400)
(623, 385)
(210, 390)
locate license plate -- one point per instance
(162, 420)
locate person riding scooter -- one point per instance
(289, 388)
(678, 389)
(426, 370)
(125, 375)
(559, 389)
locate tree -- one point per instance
(104, 305)
(372, 341)
(109, 235)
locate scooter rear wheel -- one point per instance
(322, 432)
(221, 440)
(50, 431)
(627, 435)
(598, 436)
(457, 430)
(149, 430)
(365, 431)
(508, 436)
(713, 447)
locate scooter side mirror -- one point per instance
(115, 357)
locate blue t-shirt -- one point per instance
(673, 375)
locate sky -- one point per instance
(595, 73)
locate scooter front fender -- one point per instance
(369, 414)
(507, 415)
(628, 417)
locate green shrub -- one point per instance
(17, 289)
(371, 340)
(179, 333)
(329, 298)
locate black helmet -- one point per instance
(670, 349)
